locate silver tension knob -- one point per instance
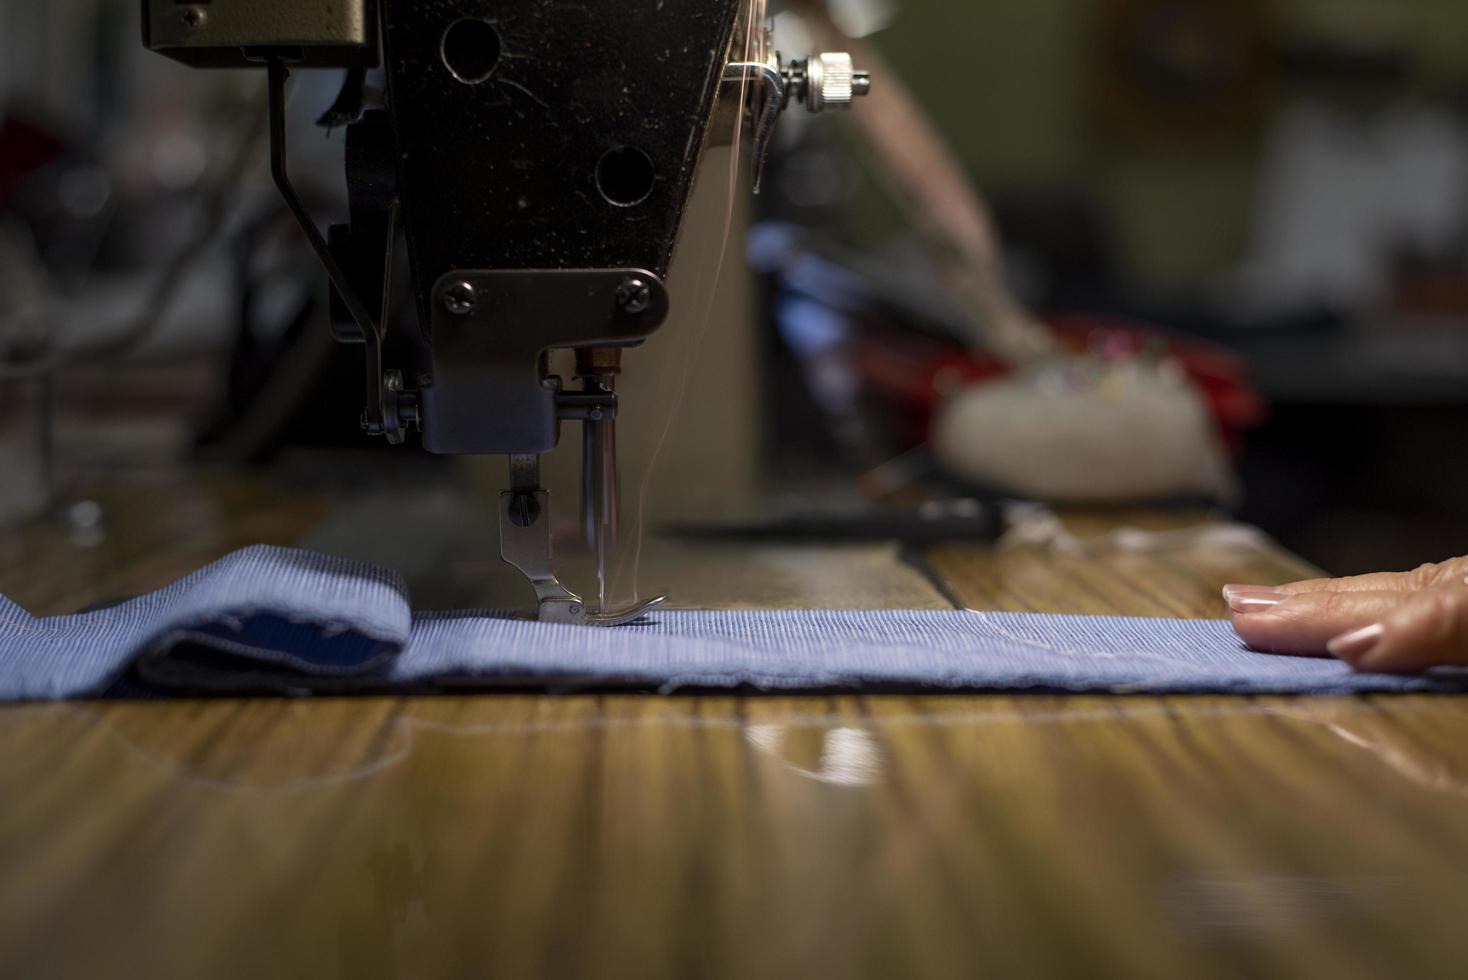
(828, 81)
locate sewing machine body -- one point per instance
(537, 160)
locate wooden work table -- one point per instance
(851, 836)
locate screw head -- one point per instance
(634, 295)
(459, 298)
(194, 17)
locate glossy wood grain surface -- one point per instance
(516, 836)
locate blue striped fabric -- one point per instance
(349, 618)
(276, 619)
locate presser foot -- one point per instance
(571, 611)
(627, 616)
(525, 543)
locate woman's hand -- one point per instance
(1393, 622)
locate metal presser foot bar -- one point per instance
(525, 542)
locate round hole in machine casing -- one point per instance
(470, 49)
(625, 176)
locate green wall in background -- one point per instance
(1013, 84)
(1005, 79)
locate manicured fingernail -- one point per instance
(1229, 591)
(1356, 644)
(1243, 602)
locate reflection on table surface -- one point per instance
(860, 836)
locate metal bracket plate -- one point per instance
(490, 330)
(227, 33)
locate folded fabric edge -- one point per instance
(219, 651)
(289, 581)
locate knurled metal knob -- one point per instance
(831, 81)
(825, 81)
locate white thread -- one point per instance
(754, 25)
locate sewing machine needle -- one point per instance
(598, 367)
(608, 527)
(601, 567)
(594, 502)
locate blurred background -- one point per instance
(1229, 247)
(1284, 177)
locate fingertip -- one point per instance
(1257, 631)
(1307, 625)
(1355, 647)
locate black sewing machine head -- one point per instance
(537, 158)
